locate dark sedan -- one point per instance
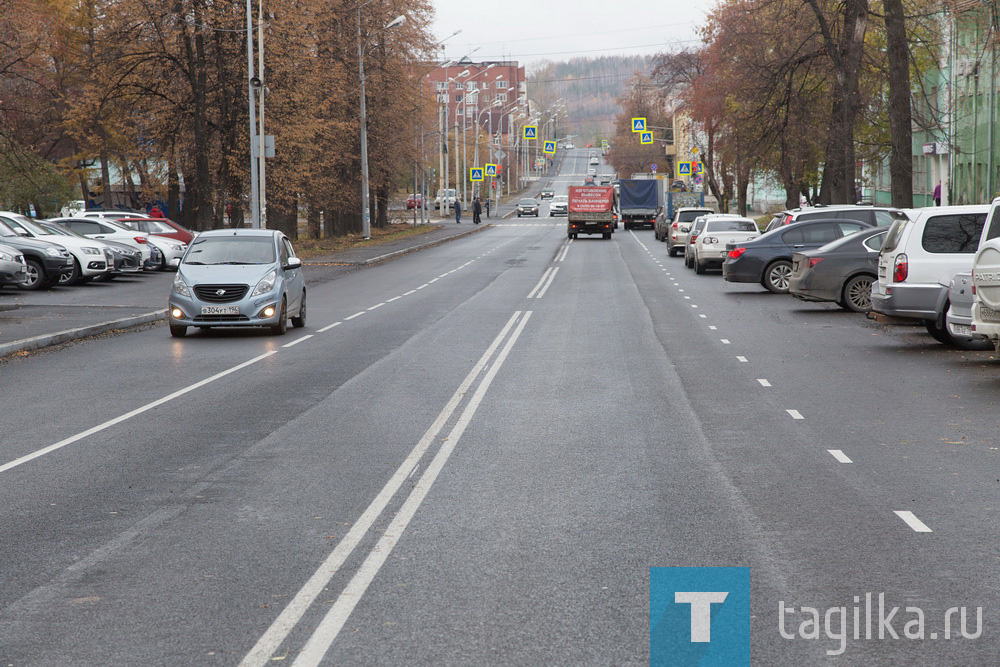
(768, 258)
(842, 271)
(527, 206)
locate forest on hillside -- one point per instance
(589, 87)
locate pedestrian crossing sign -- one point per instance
(491, 170)
(698, 167)
(550, 148)
(475, 173)
(646, 138)
(638, 124)
(530, 131)
(684, 168)
(604, 143)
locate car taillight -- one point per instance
(140, 239)
(673, 226)
(736, 252)
(901, 269)
(694, 237)
(813, 261)
(787, 220)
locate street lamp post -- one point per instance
(366, 230)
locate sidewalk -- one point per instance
(33, 320)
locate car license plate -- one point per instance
(961, 329)
(220, 310)
(989, 314)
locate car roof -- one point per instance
(240, 232)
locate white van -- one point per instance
(986, 280)
(918, 260)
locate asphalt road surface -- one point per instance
(474, 454)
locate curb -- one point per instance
(37, 342)
(422, 246)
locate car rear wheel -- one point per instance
(300, 321)
(857, 296)
(281, 327)
(671, 252)
(776, 276)
(699, 268)
(938, 329)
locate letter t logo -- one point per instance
(701, 612)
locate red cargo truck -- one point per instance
(591, 211)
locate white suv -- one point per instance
(986, 280)
(918, 260)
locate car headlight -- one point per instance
(53, 252)
(180, 286)
(6, 258)
(90, 251)
(266, 283)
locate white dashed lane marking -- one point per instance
(298, 340)
(742, 359)
(912, 521)
(354, 315)
(763, 382)
(794, 414)
(330, 326)
(840, 456)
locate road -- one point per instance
(475, 453)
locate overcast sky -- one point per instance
(531, 31)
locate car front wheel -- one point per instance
(300, 321)
(281, 327)
(777, 275)
(36, 276)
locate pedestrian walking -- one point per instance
(937, 194)
(477, 211)
(458, 211)
(487, 207)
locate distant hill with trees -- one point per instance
(590, 88)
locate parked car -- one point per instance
(842, 271)
(127, 259)
(169, 250)
(595, 160)
(719, 231)
(920, 257)
(107, 229)
(986, 279)
(958, 318)
(559, 205)
(878, 216)
(696, 226)
(445, 198)
(159, 227)
(527, 206)
(547, 193)
(13, 269)
(768, 258)
(90, 258)
(238, 278)
(45, 261)
(674, 231)
(412, 201)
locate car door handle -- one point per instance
(799, 245)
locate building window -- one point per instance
(522, 86)
(502, 85)
(502, 97)
(471, 85)
(442, 85)
(458, 97)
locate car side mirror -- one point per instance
(293, 263)
(174, 263)
(23, 233)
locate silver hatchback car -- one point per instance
(238, 278)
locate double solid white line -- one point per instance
(328, 629)
(543, 284)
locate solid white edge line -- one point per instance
(128, 415)
(840, 456)
(269, 642)
(351, 317)
(794, 414)
(329, 326)
(548, 284)
(912, 521)
(763, 382)
(545, 274)
(298, 340)
(321, 640)
(377, 305)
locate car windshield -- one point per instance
(560, 198)
(231, 250)
(59, 229)
(688, 216)
(731, 226)
(6, 231)
(527, 202)
(28, 224)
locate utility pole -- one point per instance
(366, 230)
(261, 91)
(252, 103)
